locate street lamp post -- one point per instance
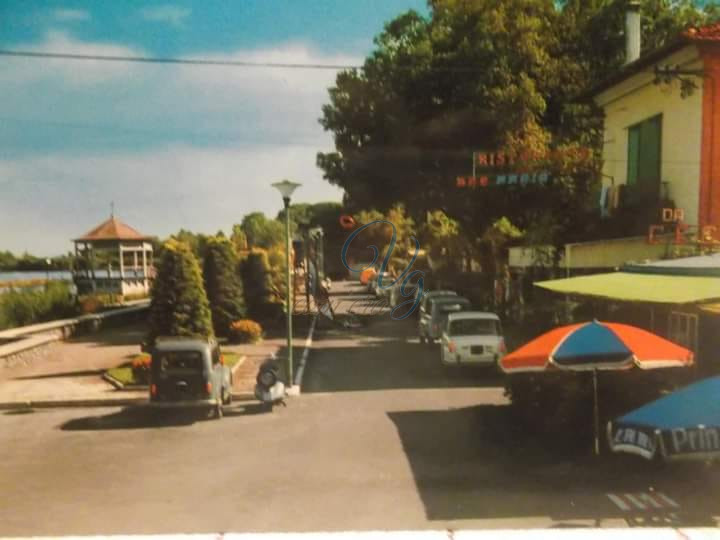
(286, 189)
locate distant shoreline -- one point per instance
(31, 278)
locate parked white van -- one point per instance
(472, 338)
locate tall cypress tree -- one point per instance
(223, 284)
(179, 304)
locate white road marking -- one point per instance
(618, 502)
(635, 501)
(642, 501)
(668, 500)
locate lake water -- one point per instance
(15, 276)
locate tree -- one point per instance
(239, 239)
(261, 231)
(179, 305)
(485, 75)
(196, 241)
(257, 284)
(223, 284)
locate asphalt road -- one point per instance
(382, 438)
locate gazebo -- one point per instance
(113, 258)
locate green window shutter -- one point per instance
(648, 174)
(633, 154)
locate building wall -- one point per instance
(637, 99)
(602, 254)
(710, 168)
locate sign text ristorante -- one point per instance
(528, 158)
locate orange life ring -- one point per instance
(347, 222)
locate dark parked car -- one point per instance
(189, 372)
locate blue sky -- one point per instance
(172, 146)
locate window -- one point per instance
(474, 327)
(684, 329)
(644, 140)
(181, 362)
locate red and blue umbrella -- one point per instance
(594, 346)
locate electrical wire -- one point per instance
(170, 60)
(214, 62)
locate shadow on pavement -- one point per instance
(14, 412)
(473, 463)
(114, 335)
(138, 417)
(384, 354)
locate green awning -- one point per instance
(630, 287)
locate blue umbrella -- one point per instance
(684, 424)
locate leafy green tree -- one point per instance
(257, 282)
(485, 75)
(179, 305)
(261, 231)
(223, 284)
(239, 238)
(196, 241)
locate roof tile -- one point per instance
(112, 229)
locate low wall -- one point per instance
(27, 343)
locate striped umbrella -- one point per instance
(594, 346)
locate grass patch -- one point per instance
(123, 373)
(231, 358)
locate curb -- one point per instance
(113, 381)
(68, 403)
(238, 364)
(297, 383)
(110, 402)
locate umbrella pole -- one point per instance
(596, 413)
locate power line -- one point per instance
(169, 60)
(211, 62)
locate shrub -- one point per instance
(255, 273)
(30, 306)
(179, 305)
(245, 331)
(141, 368)
(223, 284)
(90, 304)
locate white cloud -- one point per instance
(69, 73)
(51, 199)
(71, 15)
(169, 14)
(233, 132)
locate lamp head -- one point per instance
(286, 188)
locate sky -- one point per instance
(172, 146)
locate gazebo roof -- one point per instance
(112, 229)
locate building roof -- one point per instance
(704, 34)
(112, 229)
(703, 265)
(713, 309)
(710, 32)
(635, 287)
